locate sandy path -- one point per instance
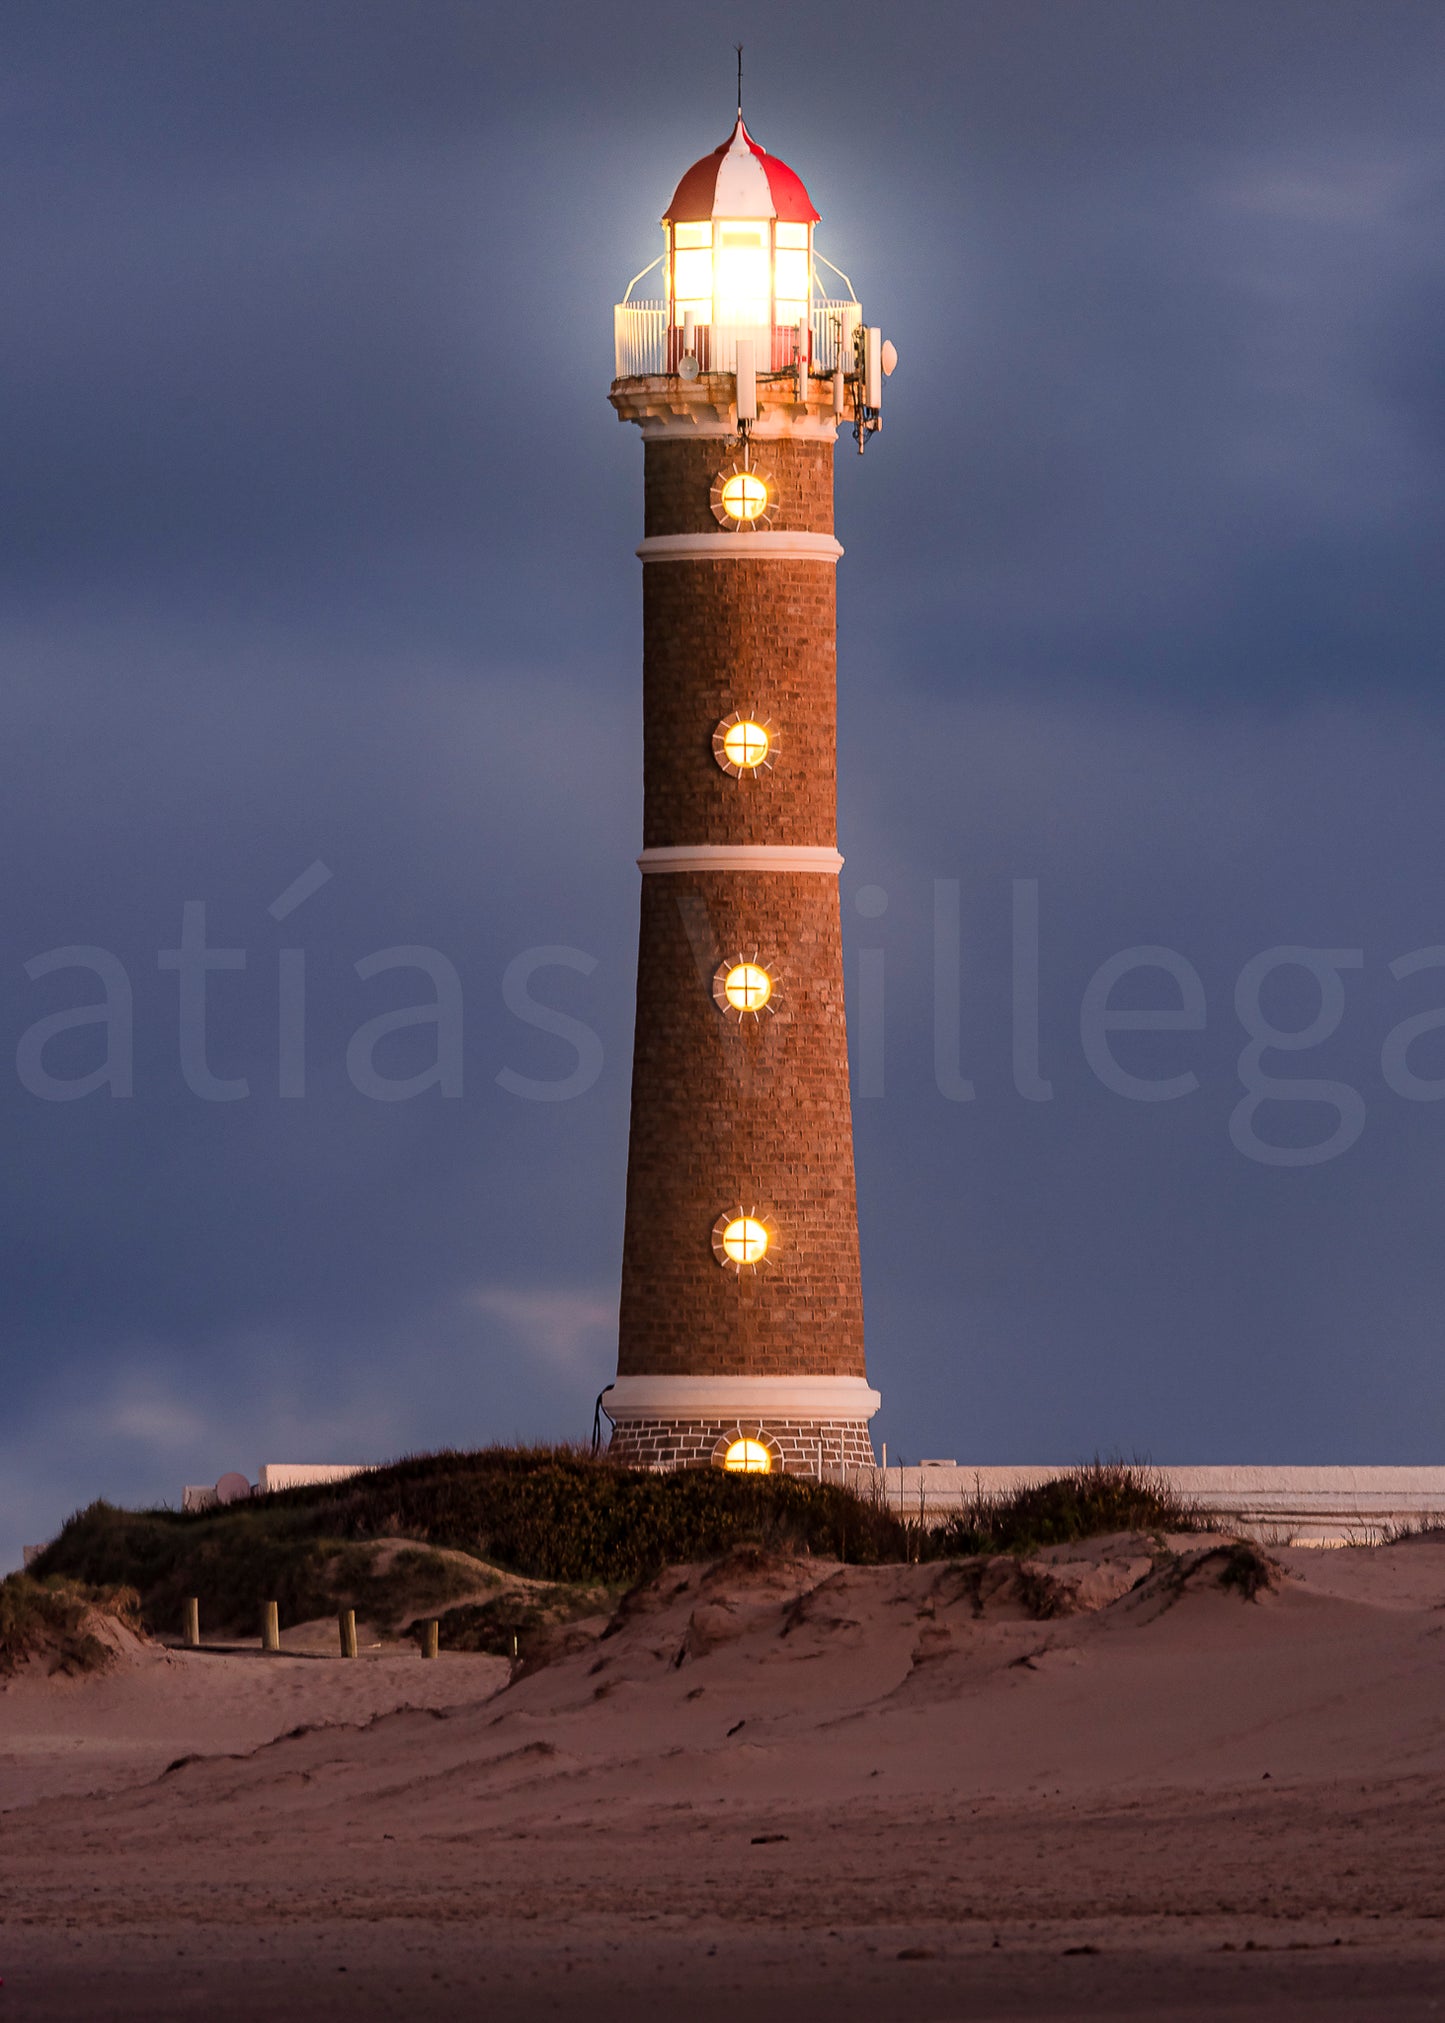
(768, 1785)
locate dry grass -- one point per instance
(1088, 1502)
(52, 1625)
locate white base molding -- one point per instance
(740, 1398)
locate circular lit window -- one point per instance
(745, 1241)
(741, 1239)
(747, 987)
(743, 987)
(745, 743)
(748, 1457)
(743, 498)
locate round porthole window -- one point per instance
(743, 987)
(745, 744)
(743, 499)
(742, 1239)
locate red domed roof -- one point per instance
(740, 180)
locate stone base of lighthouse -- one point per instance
(807, 1425)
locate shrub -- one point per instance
(545, 1513)
(548, 1514)
(1087, 1502)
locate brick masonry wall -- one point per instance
(692, 1443)
(751, 636)
(729, 1115)
(680, 472)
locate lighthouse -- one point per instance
(741, 1322)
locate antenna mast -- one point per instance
(739, 47)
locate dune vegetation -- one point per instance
(487, 1532)
(60, 1625)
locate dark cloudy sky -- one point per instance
(317, 547)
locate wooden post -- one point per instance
(346, 1622)
(430, 1637)
(192, 1630)
(270, 1627)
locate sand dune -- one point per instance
(1097, 1783)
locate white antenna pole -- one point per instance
(872, 366)
(747, 382)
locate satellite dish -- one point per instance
(889, 357)
(689, 367)
(231, 1488)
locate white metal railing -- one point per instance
(645, 345)
(639, 331)
(827, 330)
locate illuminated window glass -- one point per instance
(744, 496)
(693, 235)
(692, 279)
(742, 1239)
(747, 987)
(744, 988)
(745, 1240)
(746, 744)
(741, 295)
(790, 282)
(748, 1457)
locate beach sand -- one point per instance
(777, 1787)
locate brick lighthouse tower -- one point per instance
(741, 1328)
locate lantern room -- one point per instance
(740, 313)
(738, 236)
(738, 255)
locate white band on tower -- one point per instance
(741, 1397)
(763, 545)
(741, 857)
